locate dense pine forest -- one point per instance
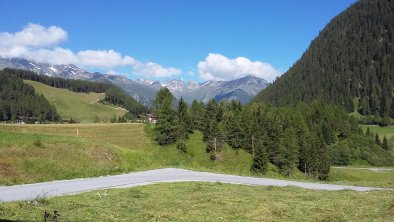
(350, 63)
(113, 95)
(308, 137)
(18, 99)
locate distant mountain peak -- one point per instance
(144, 90)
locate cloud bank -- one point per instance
(220, 68)
(39, 43)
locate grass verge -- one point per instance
(209, 202)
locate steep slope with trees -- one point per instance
(352, 58)
(19, 100)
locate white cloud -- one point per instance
(34, 35)
(103, 58)
(151, 69)
(38, 43)
(218, 67)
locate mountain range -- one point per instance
(143, 90)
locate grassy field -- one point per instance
(82, 107)
(29, 158)
(102, 149)
(362, 177)
(209, 202)
(122, 147)
(382, 131)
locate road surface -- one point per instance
(64, 187)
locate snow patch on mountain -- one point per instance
(144, 90)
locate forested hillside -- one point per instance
(19, 100)
(113, 95)
(352, 58)
(307, 138)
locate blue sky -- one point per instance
(156, 39)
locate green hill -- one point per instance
(82, 107)
(352, 57)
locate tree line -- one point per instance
(19, 100)
(305, 137)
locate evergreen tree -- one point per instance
(166, 127)
(197, 115)
(377, 140)
(231, 125)
(368, 133)
(324, 160)
(328, 133)
(385, 144)
(260, 159)
(288, 152)
(184, 125)
(212, 132)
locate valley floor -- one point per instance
(41, 153)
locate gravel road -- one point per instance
(64, 187)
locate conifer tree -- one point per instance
(260, 158)
(197, 115)
(368, 133)
(166, 127)
(212, 132)
(288, 152)
(385, 144)
(184, 125)
(324, 160)
(377, 140)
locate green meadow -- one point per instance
(382, 131)
(36, 153)
(82, 107)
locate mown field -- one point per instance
(36, 153)
(209, 202)
(82, 107)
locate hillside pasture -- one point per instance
(82, 107)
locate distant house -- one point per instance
(20, 120)
(25, 119)
(148, 118)
(151, 118)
